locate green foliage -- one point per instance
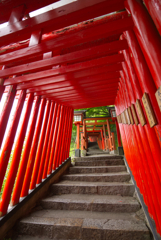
(96, 112)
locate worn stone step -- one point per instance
(98, 177)
(97, 169)
(98, 203)
(101, 188)
(99, 157)
(107, 162)
(57, 224)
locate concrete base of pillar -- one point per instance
(120, 150)
(77, 153)
(114, 152)
(106, 151)
(83, 153)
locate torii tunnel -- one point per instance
(79, 55)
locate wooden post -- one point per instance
(78, 133)
(104, 133)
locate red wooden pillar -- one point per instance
(78, 134)
(143, 144)
(5, 154)
(40, 146)
(70, 133)
(33, 150)
(55, 161)
(61, 138)
(16, 158)
(46, 141)
(1, 91)
(54, 141)
(64, 130)
(148, 37)
(154, 8)
(147, 85)
(103, 145)
(25, 155)
(6, 111)
(50, 141)
(118, 134)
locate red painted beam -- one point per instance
(73, 78)
(86, 54)
(59, 18)
(74, 38)
(31, 5)
(69, 90)
(66, 69)
(105, 88)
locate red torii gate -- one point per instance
(58, 66)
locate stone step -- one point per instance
(101, 157)
(98, 177)
(97, 169)
(97, 203)
(107, 162)
(101, 188)
(57, 224)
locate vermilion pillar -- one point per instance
(5, 154)
(118, 134)
(1, 91)
(154, 8)
(78, 133)
(103, 144)
(33, 150)
(6, 111)
(16, 157)
(25, 155)
(50, 141)
(148, 37)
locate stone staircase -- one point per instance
(94, 201)
(93, 149)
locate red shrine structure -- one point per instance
(83, 54)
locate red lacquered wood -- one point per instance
(70, 133)
(52, 151)
(74, 38)
(33, 150)
(68, 77)
(143, 143)
(6, 111)
(139, 147)
(62, 135)
(50, 141)
(103, 143)
(147, 85)
(46, 142)
(25, 154)
(118, 134)
(6, 150)
(7, 191)
(86, 54)
(58, 18)
(67, 128)
(67, 131)
(17, 14)
(31, 5)
(65, 69)
(58, 140)
(1, 91)
(148, 37)
(40, 146)
(154, 8)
